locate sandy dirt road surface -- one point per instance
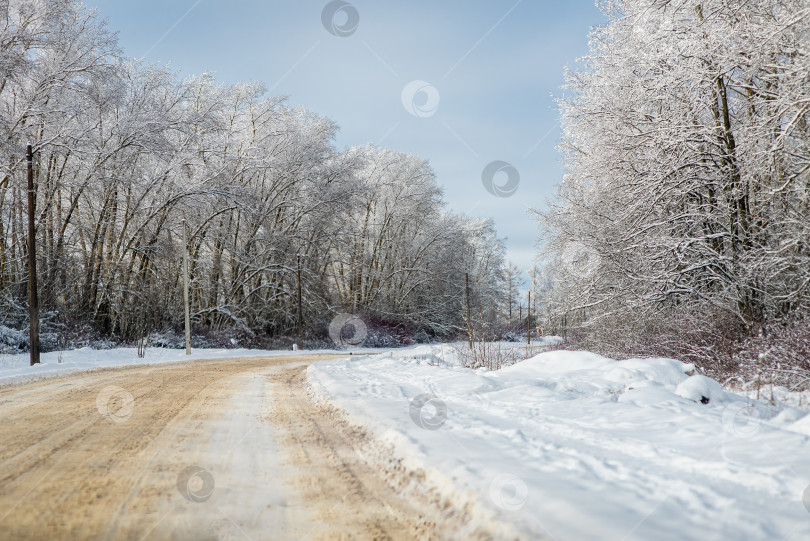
(215, 449)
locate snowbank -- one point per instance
(572, 445)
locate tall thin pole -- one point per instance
(300, 312)
(529, 320)
(510, 301)
(469, 312)
(185, 290)
(33, 300)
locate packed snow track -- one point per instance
(209, 449)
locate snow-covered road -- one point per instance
(405, 444)
(207, 449)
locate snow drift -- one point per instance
(573, 445)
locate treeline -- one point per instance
(682, 225)
(127, 151)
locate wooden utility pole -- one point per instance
(33, 299)
(469, 312)
(300, 312)
(510, 300)
(185, 290)
(529, 320)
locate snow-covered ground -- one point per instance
(572, 445)
(567, 445)
(16, 368)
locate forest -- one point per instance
(127, 152)
(681, 227)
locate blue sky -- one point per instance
(493, 66)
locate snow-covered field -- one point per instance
(572, 445)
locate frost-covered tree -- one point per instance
(513, 282)
(684, 201)
(127, 153)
